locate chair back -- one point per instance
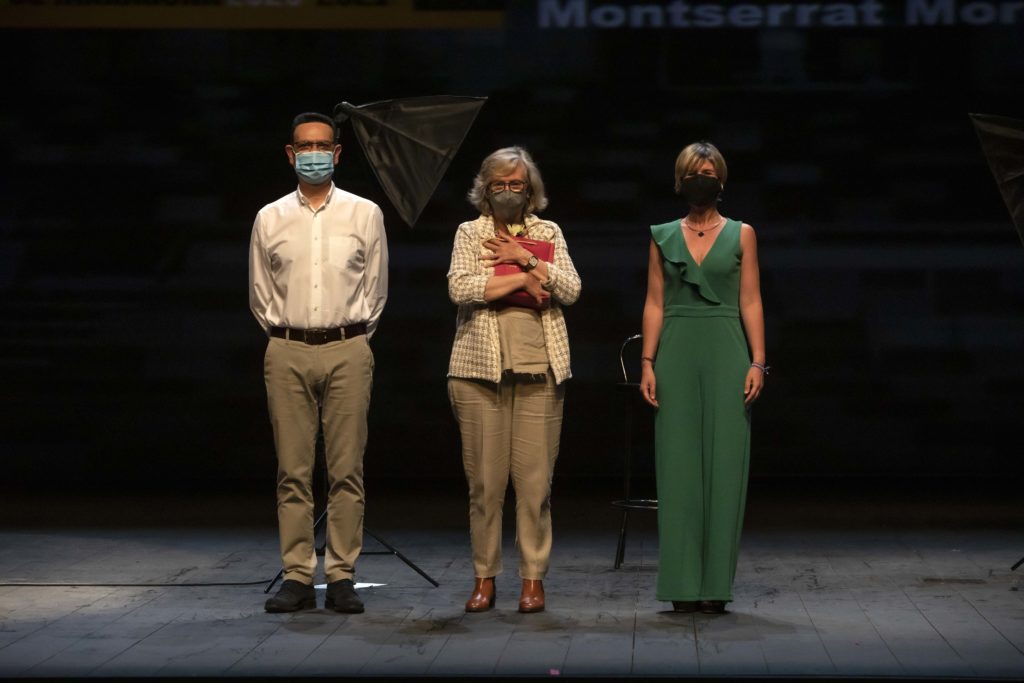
(632, 345)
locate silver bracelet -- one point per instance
(762, 367)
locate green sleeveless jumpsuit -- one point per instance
(702, 428)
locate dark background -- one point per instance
(135, 161)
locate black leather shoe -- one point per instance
(685, 606)
(712, 606)
(293, 596)
(341, 597)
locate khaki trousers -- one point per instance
(506, 428)
(327, 384)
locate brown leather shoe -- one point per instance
(483, 595)
(532, 597)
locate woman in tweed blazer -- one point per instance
(508, 368)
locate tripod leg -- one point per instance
(270, 586)
(627, 479)
(394, 551)
(319, 524)
(319, 551)
(620, 551)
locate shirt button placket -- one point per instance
(316, 319)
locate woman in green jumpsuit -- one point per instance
(703, 367)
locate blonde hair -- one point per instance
(501, 163)
(693, 157)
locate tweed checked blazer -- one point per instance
(476, 353)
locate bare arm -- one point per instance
(752, 311)
(654, 314)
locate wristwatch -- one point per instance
(531, 264)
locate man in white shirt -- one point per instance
(317, 285)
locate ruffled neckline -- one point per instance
(669, 238)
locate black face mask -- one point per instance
(700, 189)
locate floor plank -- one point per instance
(849, 601)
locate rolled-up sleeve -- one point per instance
(563, 281)
(375, 277)
(261, 282)
(466, 284)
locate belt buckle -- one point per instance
(314, 337)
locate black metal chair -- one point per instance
(628, 393)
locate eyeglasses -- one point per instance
(513, 185)
(313, 145)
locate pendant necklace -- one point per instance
(700, 231)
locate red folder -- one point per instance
(545, 251)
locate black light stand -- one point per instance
(321, 522)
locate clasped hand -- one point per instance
(504, 249)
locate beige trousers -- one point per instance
(328, 384)
(506, 428)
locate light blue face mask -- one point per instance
(314, 167)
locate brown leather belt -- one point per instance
(317, 337)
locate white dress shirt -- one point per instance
(318, 269)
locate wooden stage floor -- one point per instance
(829, 587)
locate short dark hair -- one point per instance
(314, 117)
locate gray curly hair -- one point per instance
(503, 162)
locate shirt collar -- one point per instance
(305, 202)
